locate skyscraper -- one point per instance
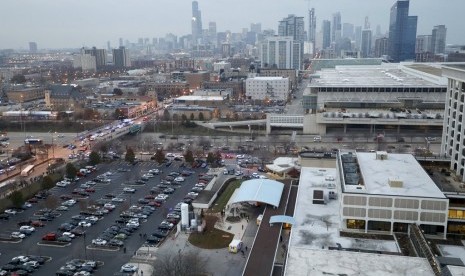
(326, 30)
(381, 47)
(423, 44)
(196, 22)
(33, 47)
(366, 43)
(402, 32)
(99, 54)
(121, 57)
(292, 26)
(348, 30)
(282, 52)
(336, 30)
(438, 43)
(256, 27)
(311, 25)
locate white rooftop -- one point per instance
(200, 98)
(368, 76)
(283, 164)
(266, 78)
(333, 262)
(376, 174)
(259, 190)
(317, 228)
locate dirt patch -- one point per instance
(211, 238)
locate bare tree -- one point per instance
(180, 264)
(51, 202)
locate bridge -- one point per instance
(273, 120)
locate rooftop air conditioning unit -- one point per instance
(395, 183)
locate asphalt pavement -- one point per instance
(80, 248)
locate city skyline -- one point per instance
(68, 24)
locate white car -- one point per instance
(20, 258)
(148, 175)
(129, 268)
(154, 171)
(69, 202)
(118, 199)
(129, 190)
(10, 212)
(27, 228)
(133, 224)
(99, 242)
(61, 184)
(62, 208)
(69, 234)
(200, 185)
(92, 219)
(84, 224)
(34, 264)
(179, 179)
(109, 206)
(17, 235)
(192, 194)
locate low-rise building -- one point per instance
(381, 192)
(63, 97)
(21, 93)
(263, 88)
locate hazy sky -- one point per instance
(76, 23)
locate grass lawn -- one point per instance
(211, 238)
(224, 197)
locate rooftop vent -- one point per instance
(381, 155)
(395, 183)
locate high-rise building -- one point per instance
(281, 52)
(33, 47)
(99, 54)
(292, 26)
(381, 46)
(212, 32)
(311, 25)
(402, 32)
(358, 37)
(326, 30)
(85, 61)
(196, 23)
(336, 30)
(256, 27)
(366, 43)
(423, 44)
(348, 30)
(108, 45)
(121, 57)
(438, 39)
(453, 134)
(121, 42)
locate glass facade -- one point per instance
(402, 33)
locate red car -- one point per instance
(154, 203)
(37, 223)
(90, 190)
(50, 237)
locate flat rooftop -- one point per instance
(200, 98)
(375, 175)
(368, 76)
(317, 229)
(267, 78)
(426, 68)
(303, 262)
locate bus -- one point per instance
(27, 170)
(33, 141)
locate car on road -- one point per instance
(129, 268)
(118, 199)
(20, 258)
(129, 190)
(26, 229)
(69, 234)
(100, 242)
(179, 179)
(84, 223)
(62, 208)
(10, 212)
(69, 202)
(17, 235)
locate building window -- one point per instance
(406, 215)
(432, 217)
(355, 200)
(379, 213)
(406, 203)
(456, 214)
(380, 202)
(355, 224)
(433, 205)
(354, 212)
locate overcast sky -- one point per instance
(77, 23)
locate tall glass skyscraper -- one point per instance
(402, 32)
(196, 22)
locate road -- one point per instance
(113, 260)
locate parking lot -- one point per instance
(86, 225)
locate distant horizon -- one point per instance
(71, 25)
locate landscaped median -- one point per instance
(211, 238)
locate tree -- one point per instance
(217, 157)
(201, 117)
(117, 91)
(130, 155)
(180, 264)
(159, 156)
(71, 171)
(166, 115)
(210, 158)
(47, 182)
(189, 157)
(94, 158)
(118, 114)
(17, 199)
(192, 117)
(18, 79)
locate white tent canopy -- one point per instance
(260, 190)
